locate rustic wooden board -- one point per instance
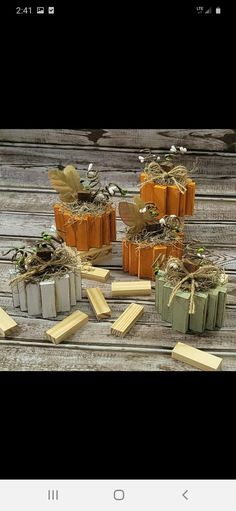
(150, 331)
(33, 224)
(219, 139)
(37, 202)
(59, 358)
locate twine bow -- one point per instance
(209, 275)
(178, 175)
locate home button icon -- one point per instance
(119, 494)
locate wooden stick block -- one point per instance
(72, 288)
(134, 288)
(125, 255)
(69, 228)
(160, 196)
(82, 233)
(48, 298)
(182, 203)
(212, 309)
(78, 285)
(113, 224)
(33, 299)
(159, 250)
(160, 281)
(197, 321)
(166, 314)
(106, 231)
(127, 319)
(6, 323)
(196, 358)
(221, 306)
(173, 200)
(98, 302)
(59, 220)
(68, 326)
(180, 312)
(22, 296)
(133, 259)
(14, 288)
(62, 286)
(92, 273)
(95, 231)
(145, 261)
(147, 192)
(191, 188)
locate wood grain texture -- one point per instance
(211, 139)
(26, 210)
(215, 208)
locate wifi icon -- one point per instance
(208, 11)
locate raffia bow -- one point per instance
(209, 276)
(178, 175)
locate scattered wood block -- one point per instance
(196, 358)
(95, 253)
(127, 319)
(68, 326)
(92, 273)
(134, 288)
(98, 302)
(6, 323)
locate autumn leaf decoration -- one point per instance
(67, 183)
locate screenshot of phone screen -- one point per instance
(117, 495)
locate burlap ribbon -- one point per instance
(208, 276)
(155, 173)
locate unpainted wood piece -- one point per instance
(195, 357)
(62, 285)
(33, 299)
(48, 297)
(6, 323)
(22, 296)
(95, 253)
(68, 326)
(98, 302)
(133, 288)
(92, 273)
(127, 319)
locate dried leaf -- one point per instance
(66, 183)
(131, 215)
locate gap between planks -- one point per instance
(108, 347)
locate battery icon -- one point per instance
(218, 10)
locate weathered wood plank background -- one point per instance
(26, 210)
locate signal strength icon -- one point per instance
(209, 11)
